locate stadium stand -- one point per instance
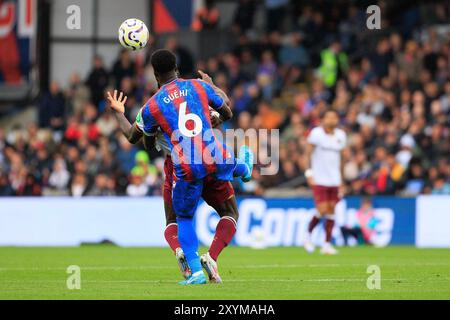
(392, 92)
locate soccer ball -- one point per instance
(133, 34)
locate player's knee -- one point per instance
(171, 220)
(170, 215)
(231, 214)
(167, 193)
(228, 209)
(322, 209)
(331, 208)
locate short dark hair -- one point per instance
(329, 110)
(163, 61)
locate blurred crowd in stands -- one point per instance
(391, 88)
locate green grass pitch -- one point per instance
(109, 272)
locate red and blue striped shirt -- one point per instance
(181, 109)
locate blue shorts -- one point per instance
(225, 171)
(185, 197)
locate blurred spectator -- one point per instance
(123, 67)
(249, 65)
(244, 14)
(363, 227)
(59, 178)
(100, 187)
(207, 17)
(150, 172)
(333, 62)
(270, 119)
(381, 58)
(29, 186)
(106, 124)
(185, 61)
(391, 90)
(410, 61)
(293, 53)
(441, 186)
(97, 80)
(275, 12)
(126, 154)
(405, 154)
(78, 187)
(52, 108)
(77, 94)
(5, 187)
(415, 180)
(138, 187)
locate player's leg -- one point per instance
(333, 198)
(220, 196)
(321, 208)
(226, 228)
(185, 198)
(244, 164)
(171, 235)
(171, 231)
(230, 167)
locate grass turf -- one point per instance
(109, 272)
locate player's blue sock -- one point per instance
(189, 243)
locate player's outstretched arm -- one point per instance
(130, 131)
(149, 142)
(225, 111)
(220, 92)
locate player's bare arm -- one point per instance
(117, 103)
(207, 78)
(308, 173)
(225, 112)
(342, 187)
(149, 142)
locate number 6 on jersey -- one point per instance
(184, 117)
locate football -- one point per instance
(133, 34)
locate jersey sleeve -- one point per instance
(313, 137)
(139, 123)
(146, 122)
(215, 101)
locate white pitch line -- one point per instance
(230, 280)
(258, 266)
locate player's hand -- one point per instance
(117, 103)
(310, 181)
(215, 118)
(205, 77)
